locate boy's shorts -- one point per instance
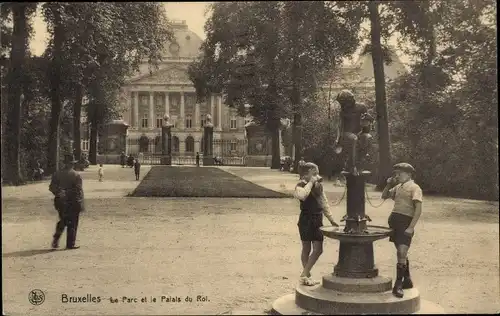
(399, 223)
(309, 225)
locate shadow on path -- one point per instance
(27, 253)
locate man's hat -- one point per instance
(345, 95)
(403, 166)
(68, 158)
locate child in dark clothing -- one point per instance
(137, 169)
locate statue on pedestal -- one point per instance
(166, 120)
(209, 122)
(353, 138)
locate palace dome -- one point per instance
(186, 43)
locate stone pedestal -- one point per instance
(354, 287)
(166, 143)
(208, 144)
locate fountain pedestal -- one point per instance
(354, 287)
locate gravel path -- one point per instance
(232, 253)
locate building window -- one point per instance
(190, 144)
(203, 120)
(158, 144)
(85, 145)
(233, 123)
(247, 120)
(189, 121)
(175, 144)
(159, 121)
(159, 100)
(173, 121)
(145, 120)
(232, 146)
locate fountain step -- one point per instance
(325, 301)
(285, 305)
(377, 284)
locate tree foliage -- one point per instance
(92, 48)
(444, 113)
(272, 55)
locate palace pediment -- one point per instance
(169, 76)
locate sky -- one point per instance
(192, 12)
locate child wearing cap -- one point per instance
(407, 196)
(313, 205)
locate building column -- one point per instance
(197, 115)
(219, 112)
(212, 108)
(181, 123)
(167, 104)
(151, 110)
(136, 109)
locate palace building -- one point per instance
(150, 94)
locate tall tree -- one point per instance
(283, 47)
(98, 45)
(380, 97)
(16, 82)
(55, 14)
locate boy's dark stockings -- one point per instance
(403, 279)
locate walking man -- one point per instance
(197, 159)
(66, 185)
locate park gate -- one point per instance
(226, 152)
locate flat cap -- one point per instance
(403, 166)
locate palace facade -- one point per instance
(150, 94)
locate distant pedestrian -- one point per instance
(123, 159)
(67, 187)
(100, 173)
(130, 161)
(137, 169)
(302, 162)
(197, 159)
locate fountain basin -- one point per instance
(373, 233)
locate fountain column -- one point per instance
(354, 287)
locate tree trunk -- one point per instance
(14, 90)
(275, 148)
(55, 96)
(380, 98)
(77, 113)
(93, 143)
(297, 140)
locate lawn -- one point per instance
(167, 181)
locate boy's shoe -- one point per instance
(55, 244)
(308, 281)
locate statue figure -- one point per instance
(166, 120)
(353, 138)
(209, 120)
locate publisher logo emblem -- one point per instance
(36, 297)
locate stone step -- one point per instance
(325, 301)
(377, 284)
(285, 305)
